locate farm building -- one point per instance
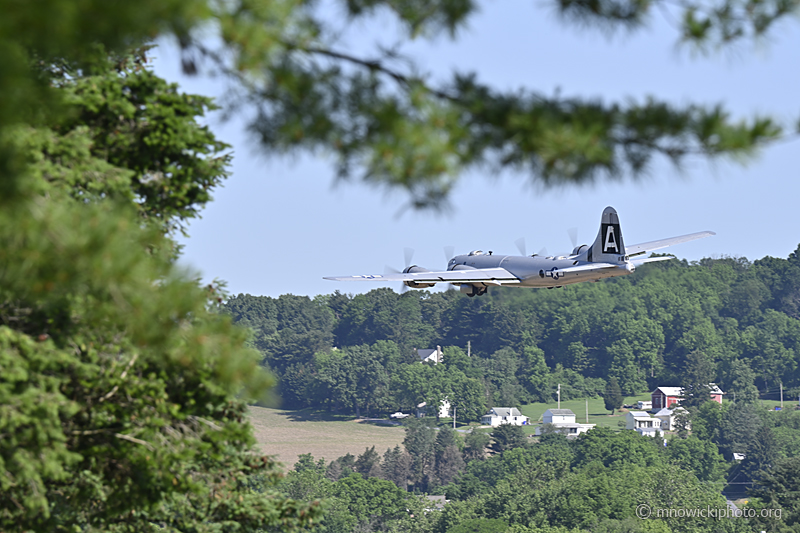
(563, 421)
(666, 397)
(504, 415)
(643, 423)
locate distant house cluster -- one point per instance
(651, 418)
(664, 407)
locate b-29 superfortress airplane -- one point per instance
(475, 272)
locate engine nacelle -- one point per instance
(413, 284)
(580, 249)
(471, 290)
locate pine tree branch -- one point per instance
(135, 440)
(377, 65)
(121, 377)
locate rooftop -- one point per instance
(561, 412)
(505, 411)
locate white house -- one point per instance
(563, 421)
(444, 409)
(557, 416)
(643, 423)
(434, 356)
(504, 415)
(436, 503)
(667, 417)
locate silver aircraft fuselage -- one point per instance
(538, 271)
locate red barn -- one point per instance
(666, 397)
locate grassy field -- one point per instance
(288, 434)
(788, 403)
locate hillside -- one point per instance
(727, 320)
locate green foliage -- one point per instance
(507, 437)
(475, 443)
(608, 447)
(707, 422)
(370, 502)
(34, 446)
(449, 461)
(123, 390)
(420, 442)
(698, 372)
(538, 493)
(672, 324)
(368, 463)
(738, 428)
(785, 426)
(353, 377)
(480, 525)
(778, 489)
(613, 396)
(160, 159)
(396, 467)
(119, 385)
(384, 121)
(699, 457)
(761, 455)
(286, 331)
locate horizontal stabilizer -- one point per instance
(642, 260)
(639, 249)
(585, 267)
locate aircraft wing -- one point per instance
(644, 248)
(492, 276)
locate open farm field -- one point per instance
(287, 434)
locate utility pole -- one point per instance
(469, 348)
(781, 394)
(454, 417)
(558, 392)
(587, 410)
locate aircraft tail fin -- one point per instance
(608, 247)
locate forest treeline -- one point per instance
(727, 320)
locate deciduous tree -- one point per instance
(613, 395)
(507, 437)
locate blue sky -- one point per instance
(280, 224)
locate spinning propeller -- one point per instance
(522, 249)
(408, 255)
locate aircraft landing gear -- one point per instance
(472, 290)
